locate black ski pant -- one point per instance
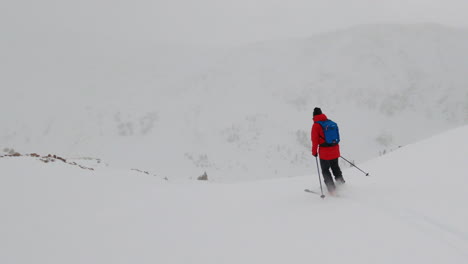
(327, 176)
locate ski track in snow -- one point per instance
(424, 224)
(418, 221)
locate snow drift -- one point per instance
(410, 210)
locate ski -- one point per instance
(314, 192)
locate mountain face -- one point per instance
(239, 112)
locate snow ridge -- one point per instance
(408, 211)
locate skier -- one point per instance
(329, 154)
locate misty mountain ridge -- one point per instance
(248, 110)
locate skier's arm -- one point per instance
(314, 136)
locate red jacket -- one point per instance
(317, 137)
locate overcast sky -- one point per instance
(216, 21)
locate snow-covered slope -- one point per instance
(410, 210)
(243, 115)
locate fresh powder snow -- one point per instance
(411, 209)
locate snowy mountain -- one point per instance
(409, 210)
(238, 114)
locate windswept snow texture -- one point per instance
(244, 113)
(412, 209)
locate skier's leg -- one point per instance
(327, 177)
(335, 167)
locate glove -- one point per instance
(314, 155)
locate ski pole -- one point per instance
(367, 174)
(320, 179)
